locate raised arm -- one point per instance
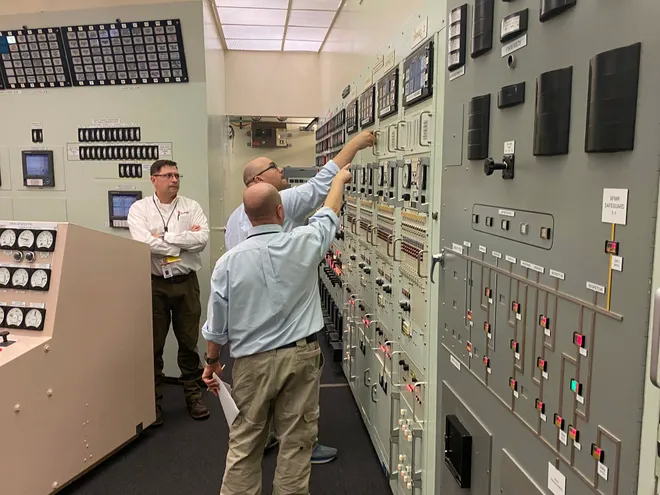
(359, 142)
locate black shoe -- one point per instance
(159, 416)
(197, 409)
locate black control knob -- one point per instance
(506, 166)
(401, 362)
(380, 282)
(4, 334)
(387, 288)
(405, 305)
(361, 307)
(352, 257)
(406, 367)
(405, 197)
(18, 256)
(362, 264)
(29, 256)
(367, 270)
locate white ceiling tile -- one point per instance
(271, 45)
(312, 18)
(315, 4)
(305, 46)
(306, 33)
(265, 4)
(236, 31)
(266, 17)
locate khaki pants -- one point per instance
(283, 386)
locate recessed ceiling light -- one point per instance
(269, 45)
(252, 17)
(303, 46)
(311, 18)
(237, 31)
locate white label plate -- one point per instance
(455, 74)
(509, 148)
(563, 438)
(603, 471)
(511, 259)
(482, 249)
(556, 274)
(617, 263)
(595, 287)
(615, 206)
(556, 481)
(514, 45)
(455, 362)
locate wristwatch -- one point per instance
(210, 361)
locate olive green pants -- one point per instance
(281, 386)
(176, 301)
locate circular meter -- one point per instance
(14, 317)
(45, 239)
(33, 319)
(26, 239)
(7, 238)
(5, 276)
(2, 316)
(20, 278)
(39, 279)
(407, 175)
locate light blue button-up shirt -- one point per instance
(298, 203)
(264, 292)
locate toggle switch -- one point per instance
(507, 166)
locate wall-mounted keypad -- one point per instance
(130, 170)
(118, 152)
(109, 134)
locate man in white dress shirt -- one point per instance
(176, 230)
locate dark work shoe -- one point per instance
(322, 454)
(159, 416)
(197, 409)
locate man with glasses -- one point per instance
(176, 230)
(298, 203)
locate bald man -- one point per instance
(298, 203)
(264, 302)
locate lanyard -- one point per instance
(165, 224)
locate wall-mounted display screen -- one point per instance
(367, 107)
(351, 117)
(418, 75)
(38, 170)
(145, 52)
(388, 93)
(119, 202)
(33, 58)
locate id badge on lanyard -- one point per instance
(167, 265)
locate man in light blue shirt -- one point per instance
(264, 302)
(298, 202)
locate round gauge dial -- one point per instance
(407, 175)
(5, 276)
(45, 239)
(20, 278)
(26, 239)
(7, 238)
(33, 318)
(39, 279)
(2, 316)
(14, 317)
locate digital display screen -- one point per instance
(145, 52)
(121, 203)
(37, 165)
(418, 75)
(367, 103)
(351, 117)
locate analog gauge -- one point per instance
(45, 239)
(407, 173)
(20, 278)
(39, 279)
(33, 319)
(5, 276)
(14, 317)
(26, 239)
(7, 238)
(2, 316)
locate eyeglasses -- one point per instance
(169, 176)
(272, 165)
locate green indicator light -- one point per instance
(574, 385)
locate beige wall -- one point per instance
(273, 83)
(363, 31)
(300, 154)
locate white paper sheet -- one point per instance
(226, 400)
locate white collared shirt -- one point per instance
(149, 216)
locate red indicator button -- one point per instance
(542, 364)
(544, 321)
(597, 453)
(513, 384)
(579, 339)
(540, 406)
(573, 433)
(559, 421)
(515, 307)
